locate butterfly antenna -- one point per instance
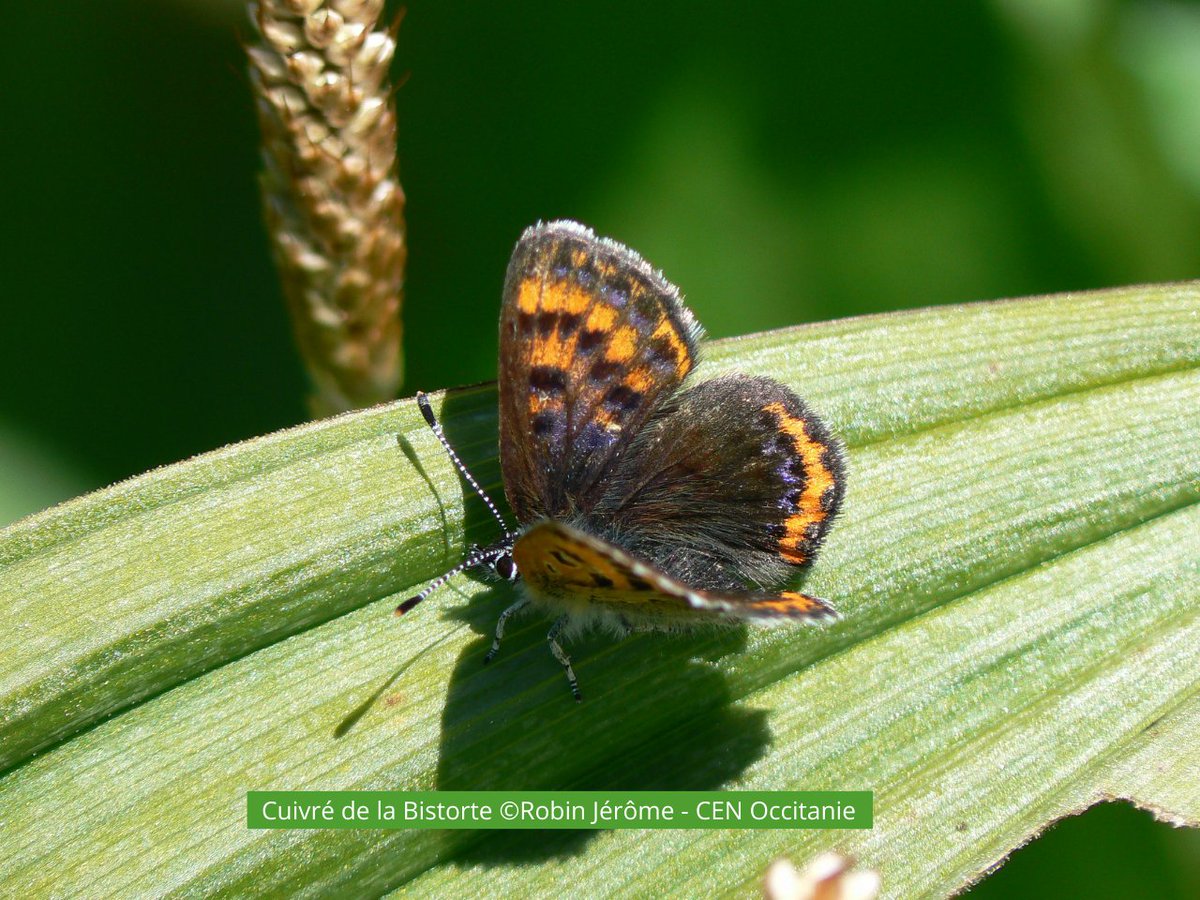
(473, 559)
(427, 412)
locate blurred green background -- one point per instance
(783, 162)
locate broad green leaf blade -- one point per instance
(1017, 566)
(969, 750)
(1171, 791)
(124, 593)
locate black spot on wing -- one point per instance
(660, 353)
(646, 309)
(604, 370)
(547, 422)
(623, 398)
(589, 341)
(566, 558)
(548, 380)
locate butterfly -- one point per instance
(645, 502)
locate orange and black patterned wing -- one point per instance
(592, 339)
(733, 483)
(575, 572)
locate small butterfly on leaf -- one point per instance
(644, 502)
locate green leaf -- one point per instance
(1017, 565)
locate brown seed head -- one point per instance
(331, 192)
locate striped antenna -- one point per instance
(427, 412)
(472, 559)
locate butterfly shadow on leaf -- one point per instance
(657, 716)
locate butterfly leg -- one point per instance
(500, 623)
(562, 657)
(626, 627)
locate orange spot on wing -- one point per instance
(601, 318)
(683, 358)
(606, 419)
(562, 296)
(798, 602)
(796, 605)
(577, 301)
(538, 403)
(529, 295)
(639, 380)
(819, 480)
(552, 350)
(558, 296)
(622, 345)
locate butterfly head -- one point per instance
(498, 558)
(505, 566)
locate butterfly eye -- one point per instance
(505, 567)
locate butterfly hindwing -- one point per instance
(733, 482)
(592, 339)
(567, 567)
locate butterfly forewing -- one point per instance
(592, 339)
(568, 567)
